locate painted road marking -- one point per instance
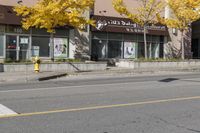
(4, 111)
(101, 107)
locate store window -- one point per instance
(130, 37)
(115, 36)
(156, 39)
(154, 50)
(130, 50)
(98, 49)
(61, 32)
(99, 36)
(114, 49)
(128, 46)
(161, 47)
(140, 50)
(1, 45)
(2, 28)
(36, 31)
(140, 38)
(43, 45)
(11, 47)
(61, 47)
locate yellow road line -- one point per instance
(101, 107)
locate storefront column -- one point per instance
(72, 45)
(166, 48)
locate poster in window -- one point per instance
(129, 50)
(35, 50)
(61, 47)
(24, 40)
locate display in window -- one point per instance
(61, 47)
(130, 50)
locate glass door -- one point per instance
(23, 47)
(17, 47)
(11, 47)
(98, 49)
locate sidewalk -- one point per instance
(24, 77)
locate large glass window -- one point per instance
(99, 35)
(114, 49)
(99, 49)
(43, 45)
(62, 32)
(36, 31)
(130, 37)
(154, 52)
(141, 50)
(11, 47)
(24, 46)
(2, 28)
(1, 45)
(115, 36)
(118, 45)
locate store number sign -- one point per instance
(18, 30)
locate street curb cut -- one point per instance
(52, 77)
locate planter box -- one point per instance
(159, 65)
(54, 67)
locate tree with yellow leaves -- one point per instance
(183, 13)
(144, 15)
(50, 14)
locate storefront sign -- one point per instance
(23, 40)
(16, 29)
(61, 47)
(113, 24)
(130, 50)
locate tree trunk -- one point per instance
(145, 42)
(52, 47)
(182, 45)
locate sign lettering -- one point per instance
(113, 24)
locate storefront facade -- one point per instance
(120, 38)
(113, 37)
(17, 44)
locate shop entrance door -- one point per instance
(114, 49)
(23, 45)
(17, 47)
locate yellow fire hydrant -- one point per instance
(36, 62)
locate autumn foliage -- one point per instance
(183, 13)
(49, 14)
(145, 14)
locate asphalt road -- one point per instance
(128, 104)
